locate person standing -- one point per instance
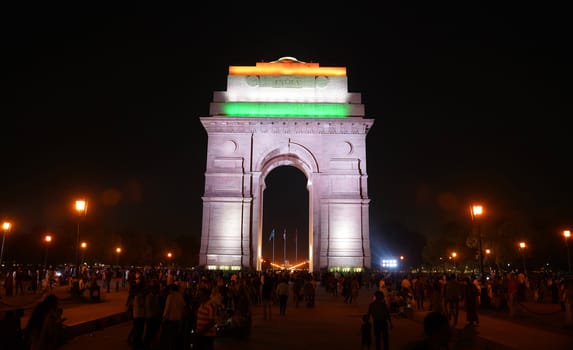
(267, 290)
(206, 321)
(471, 297)
(453, 294)
(282, 294)
(437, 333)
(365, 333)
(153, 314)
(45, 330)
(173, 312)
(381, 321)
(135, 337)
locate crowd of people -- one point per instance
(172, 309)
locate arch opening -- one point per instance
(286, 213)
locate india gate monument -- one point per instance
(286, 113)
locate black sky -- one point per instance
(471, 103)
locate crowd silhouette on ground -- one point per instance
(173, 308)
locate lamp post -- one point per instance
(454, 255)
(522, 247)
(487, 254)
(477, 211)
(566, 235)
(118, 252)
(169, 256)
(47, 241)
(81, 209)
(6, 227)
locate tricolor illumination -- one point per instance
(302, 110)
(288, 66)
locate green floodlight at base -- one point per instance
(289, 110)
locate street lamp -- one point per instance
(81, 209)
(487, 254)
(47, 240)
(84, 246)
(477, 211)
(566, 235)
(118, 252)
(454, 254)
(522, 247)
(169, 258)
(6, 227)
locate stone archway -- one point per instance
(313, 124)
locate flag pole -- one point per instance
(296, 246)
(273, 250)
(284, 245)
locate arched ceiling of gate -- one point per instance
(285, 160)
(292, 154)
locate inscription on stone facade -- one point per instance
(286, 81)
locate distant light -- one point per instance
(390, 263)
(6, 226)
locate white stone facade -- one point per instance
(243, 150)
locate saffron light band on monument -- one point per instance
(287, 66)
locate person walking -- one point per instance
(381, 321)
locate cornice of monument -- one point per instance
(287, 125)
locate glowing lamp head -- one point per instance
(454, 254)
(118, 250)
(84, 245)
(6, 226)
(567, 233)
(477, 210)
(81, 206)
(47, 238)
(522, 245)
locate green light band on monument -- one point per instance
(290, 110)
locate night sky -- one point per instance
(471, 103)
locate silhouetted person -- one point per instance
(381, 320)
(437, 333)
